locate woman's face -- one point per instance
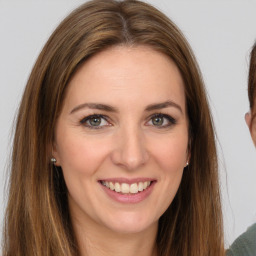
(122, 139)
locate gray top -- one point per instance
(244, 245)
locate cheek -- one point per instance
(172, 153)
(171, 158)
(253, 128)
(80, 155)
(253, 133)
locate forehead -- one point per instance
(127, 74)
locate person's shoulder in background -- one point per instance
(244, 245)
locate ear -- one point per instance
(188, 153)
(248, 119)
(251, 125)
(55, 154)
(188, 157)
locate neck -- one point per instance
(96, 240)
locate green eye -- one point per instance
(94, 121)
(157, 121)
(161, 121)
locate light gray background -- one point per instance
(220, 32)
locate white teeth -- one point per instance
(125, 188)
(140, 186)
(134, 188)
(111, 186)
(117, 187)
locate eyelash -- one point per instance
(171, 120)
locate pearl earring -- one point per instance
(53, 160)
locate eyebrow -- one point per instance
(109, 108)
(94, 106)
(165, 104)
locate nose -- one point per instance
(130, 149)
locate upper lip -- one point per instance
(126, 180)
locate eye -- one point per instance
(161, 120)
(95, 121)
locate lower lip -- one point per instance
(129, 198)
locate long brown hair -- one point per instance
(37, 216)
(252, 78)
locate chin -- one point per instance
(130, 223)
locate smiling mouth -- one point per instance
(125, 188)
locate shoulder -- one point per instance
(244, 245)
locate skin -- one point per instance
(251, 122)
(126, 144)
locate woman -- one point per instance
(114, 150)
(245, 245)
